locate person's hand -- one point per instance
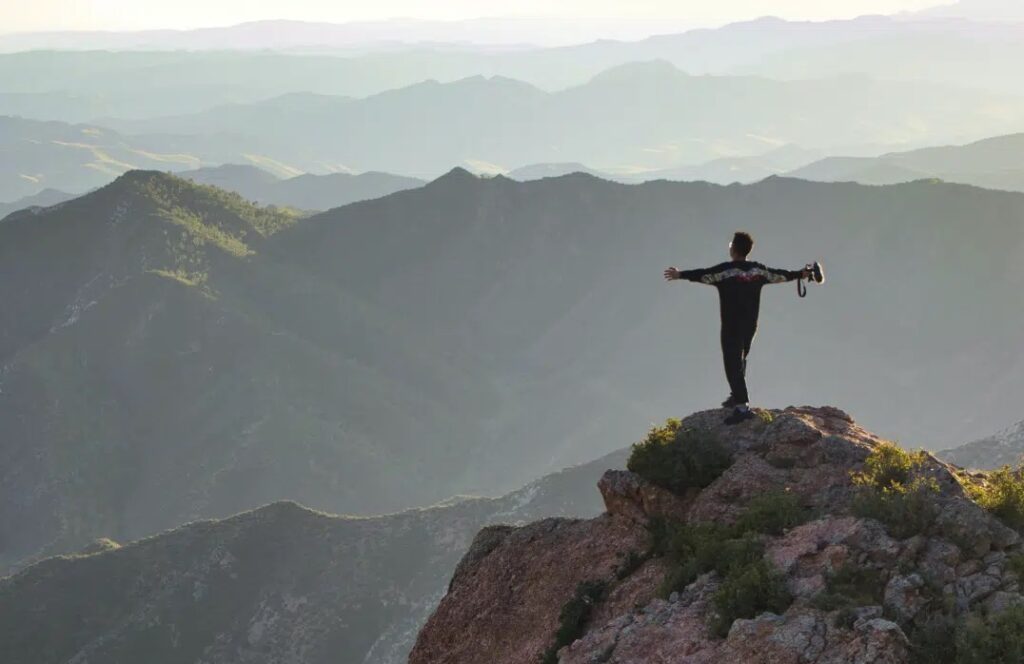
(671, 274)
(806, 274)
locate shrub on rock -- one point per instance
(677, 458)
(1002, 494)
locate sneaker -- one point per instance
(731, 402)
(739, 415)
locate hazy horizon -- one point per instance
(611, 19)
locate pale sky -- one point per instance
(40, 15)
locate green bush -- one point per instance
(907, 511)
(998, 638)
(934, 641)
(889, 467)
(736, 554)
(574, 616)
(773, 513)
(1002, 494)
(890, 493)
(696, 550)
(677, 458)
(848, 587)
(1015, 563)
(633, 561)
(747, 593)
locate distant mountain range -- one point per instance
(1005, 448)
(482, 34)
(82, 86)
(995, 163)
(84, 157)
(280, 583)
(303, 192)
(647, 116)
(78, 158)
(171, 352)
(725, 170)
(982, 10)
(44, 198)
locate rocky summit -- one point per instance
(795, 537)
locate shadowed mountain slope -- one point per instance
(157, 370)
(280, 583)
(175, 353)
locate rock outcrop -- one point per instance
(505, 602)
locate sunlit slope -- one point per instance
(159, 368)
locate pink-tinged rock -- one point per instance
(938, 562)
(632, 497)
(903, 596)
(638, 590)
(661, 632)
(808, 636)
(1001, 601)
(811, 539)
(504, 602)
(877, 641)
(748, 478)
(504, 606)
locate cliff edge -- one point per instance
(795, 537)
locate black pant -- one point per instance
(736, 342)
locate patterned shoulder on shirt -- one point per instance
(750, 273)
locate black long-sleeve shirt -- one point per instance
(739, 286)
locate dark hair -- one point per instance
(742, 243)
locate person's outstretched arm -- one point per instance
(778, 276)
(705, 276)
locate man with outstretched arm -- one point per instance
(739, 284)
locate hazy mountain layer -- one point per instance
(639, 116)
(174, 353)
(81, 86)
(1005, 448)
(307, 191)
(995, 163)
(281, 583)
(984, 10)
(78, 158)
(44, 198)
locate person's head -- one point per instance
(741, 246)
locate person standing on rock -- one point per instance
(739, 284)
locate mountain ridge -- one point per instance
(351, 345)
(649, 121)
(277, 581)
